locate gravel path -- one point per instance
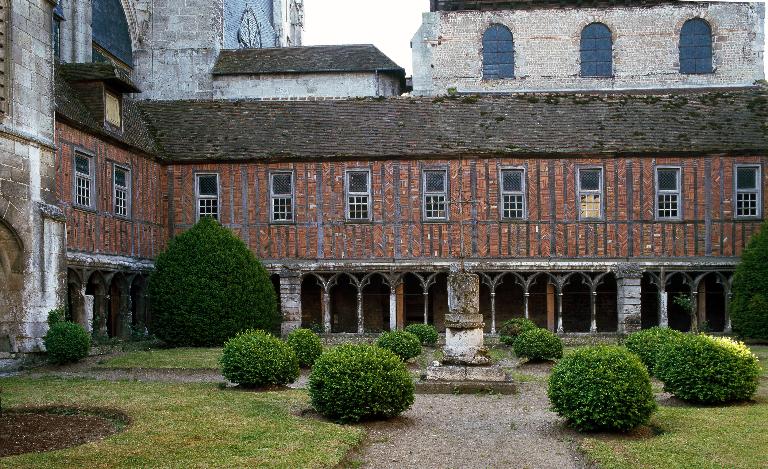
(472, 431)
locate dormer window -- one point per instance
(113, 109)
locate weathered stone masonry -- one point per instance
(447, 50)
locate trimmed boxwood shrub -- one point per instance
(207, 286)
(360, 382)
(67, 342)
(601, 388)
(307, 346)
(538, 344)
(256, 358)
(749, 308)
(426, 333)
(509, 330)
(647, 343)
(709, 370)
(403, 344)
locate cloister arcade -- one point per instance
(111, 303)
(116, 303)
(562, 301)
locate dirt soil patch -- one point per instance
(39, 429)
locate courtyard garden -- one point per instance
(220, 388)
(178, 423)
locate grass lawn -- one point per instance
(695, 437)
(704, 437)
(762, 354)
(174, 358)
(186, 425)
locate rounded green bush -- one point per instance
(307, 346)
(426, 333)
(67, 342)
(403, 344)
(538, 344)
(601, 388)
(207, 286)
(509, 330)
(647, 343)
(360, 382)
(256, 358)
(709, 370)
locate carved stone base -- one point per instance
(455, 373)
(465, 347)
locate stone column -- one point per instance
(360, 317)
(88, 302)
(728, 297)
(663, 305)
(526, 295)
(124, 318)
(464, 323)
(593, 311)
(290, 300)
(426, 306)
(493, 311)
(326, 310)
(392, 308)
(628, 288)
(559, 299)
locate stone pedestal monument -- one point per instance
(465, 359)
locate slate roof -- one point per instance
(309, 59)
(713, 121)
(70, 108)
(98, 71)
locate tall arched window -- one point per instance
(111, 37)
(696, 47)
(498, 53)
(596, 51)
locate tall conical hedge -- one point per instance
(208, 286)
(749, 308)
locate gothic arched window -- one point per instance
(696, 47)
(111, 37)
(596, 51)
(498, 53)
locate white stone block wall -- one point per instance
(305, 85)
(447, 49)
(34, 280)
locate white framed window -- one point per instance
(748, 191)
(590, 188)
(435, 194)
(512, 185)
(84, 184)
(207, 195)
(281, 196)
(358, 187)
(668, 193)
(121, 191)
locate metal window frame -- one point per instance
(425, 193)
(581, 52)
(712, 68)
(600, 192)
(348, 193)
(199, 197)
(91, 177)
(485, 77)
(758, 167)
(523, 192)
(678, 192)
(128, 191)
(272, 197)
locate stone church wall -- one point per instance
(447, 49)
(31, 227)
(305, 85)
